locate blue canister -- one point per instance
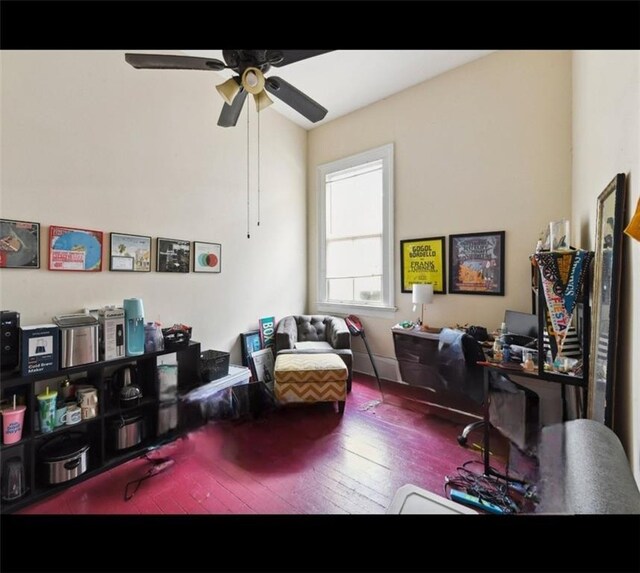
(506, 354)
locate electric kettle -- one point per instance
(130, 393)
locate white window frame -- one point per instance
(387, 306)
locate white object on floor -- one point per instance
(412, 500)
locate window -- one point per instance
(355, 224)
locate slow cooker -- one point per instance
(64, 457)
(126, 432)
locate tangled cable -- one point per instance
(486, 488)
(158, 465)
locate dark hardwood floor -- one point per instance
(302, 459)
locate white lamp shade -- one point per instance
(422, 294)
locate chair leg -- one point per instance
(349, 384)
(462, 438)
(341, 406)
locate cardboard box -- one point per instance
(112, 333)
(39, 349)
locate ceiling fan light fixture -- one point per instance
(228, 90)
(253, 80)
(262, 100)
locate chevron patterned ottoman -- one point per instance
(311, 378)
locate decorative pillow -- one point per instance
(313, 345)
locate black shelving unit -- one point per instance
(101, 456)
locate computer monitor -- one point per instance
(521, 323)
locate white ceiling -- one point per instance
(345, 80)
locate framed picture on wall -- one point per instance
(423, 261)
(130, 253)
(72, 249)
(476, 263)
(207, 257)
(173, 256)
(19, 244)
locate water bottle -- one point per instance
(153, 340)
(134, 321)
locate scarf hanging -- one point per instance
(561, 277)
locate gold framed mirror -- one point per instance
(606, 300)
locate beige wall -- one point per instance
(89, 141)
(606, 141)
(484, 147)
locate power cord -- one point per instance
(158, 466)
(488, 489)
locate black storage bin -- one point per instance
(214, 364)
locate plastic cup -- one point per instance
(12, 424)
(47, 406)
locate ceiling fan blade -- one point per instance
(291, 56)
(230, 113)
(168, 62)
(293, 97)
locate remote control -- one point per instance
(473, 501)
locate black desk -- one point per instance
(490, 368)
(421, 366)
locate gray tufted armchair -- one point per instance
(314, 334)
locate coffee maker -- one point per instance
(134, 326)
(9, 334)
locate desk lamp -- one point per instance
(422, 294)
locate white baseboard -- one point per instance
(387, 367)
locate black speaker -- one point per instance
(9, 339)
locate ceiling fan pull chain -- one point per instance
(258, 169)
(248, 194)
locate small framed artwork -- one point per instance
(72, 249)
(19, 244)
(173, 256)
(250, 342)
(476, 263)
(423, 261)
(263, 365)
(207, 257)
(130, 253)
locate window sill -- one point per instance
(360, 309)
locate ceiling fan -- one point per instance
(250, 67)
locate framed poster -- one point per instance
(73, 249)
(250, 342)
(130, 253)
(173, 256)
(207, 257)
(263, 365)
(423, 261)
(476, 263)
(19, 244)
